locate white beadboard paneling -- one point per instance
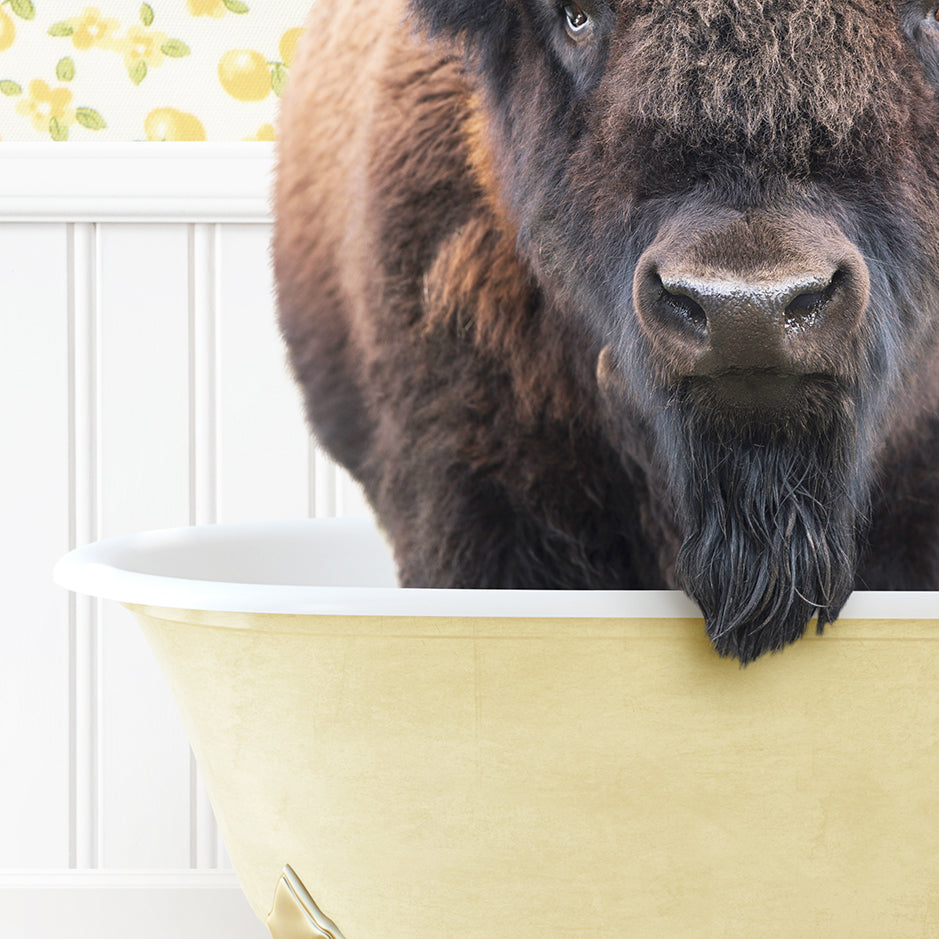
(34, 522)
(203, 372)
(143, 376)
(143, 482)
(118, 905)
(142, 384)
(262, 439)
(332, 490)
(351, 499)
(324, 483)
(82, 278)
(206, 850)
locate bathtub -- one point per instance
(428, 764)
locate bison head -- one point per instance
(738, 201)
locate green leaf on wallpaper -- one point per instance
(233, 6)
(175, 48)
(90, 119)
(58, 131)
(24, 9)
(279, 79)
(61, 29)
(65, 70)
(10, 89)
(137, 71)
(146, 15)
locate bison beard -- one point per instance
(770, 518)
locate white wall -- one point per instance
(142, 385)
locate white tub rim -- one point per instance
(115, 569)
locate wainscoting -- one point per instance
(142, 385)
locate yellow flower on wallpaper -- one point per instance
(48, 108)
(92, 29)
(142, 49)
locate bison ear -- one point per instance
(463, 19)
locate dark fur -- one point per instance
(794, 497)
(462, 201)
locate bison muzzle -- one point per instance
(626, 294)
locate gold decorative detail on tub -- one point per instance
(295, 915)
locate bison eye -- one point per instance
(576, 21)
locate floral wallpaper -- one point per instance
(164, 70)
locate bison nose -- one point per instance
(794, 315)
(748, 324)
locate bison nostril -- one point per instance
(805, 307)
(686, 310)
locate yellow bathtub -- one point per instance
(427, 764)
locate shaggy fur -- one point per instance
(469, 201)
(793, 497)
(806, 83)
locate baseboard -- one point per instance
(119, 904)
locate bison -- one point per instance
(625, 293)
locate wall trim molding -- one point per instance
(137, 182)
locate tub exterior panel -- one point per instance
(597, 779)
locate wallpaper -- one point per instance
(164, 70)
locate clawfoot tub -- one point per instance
(427, 764)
